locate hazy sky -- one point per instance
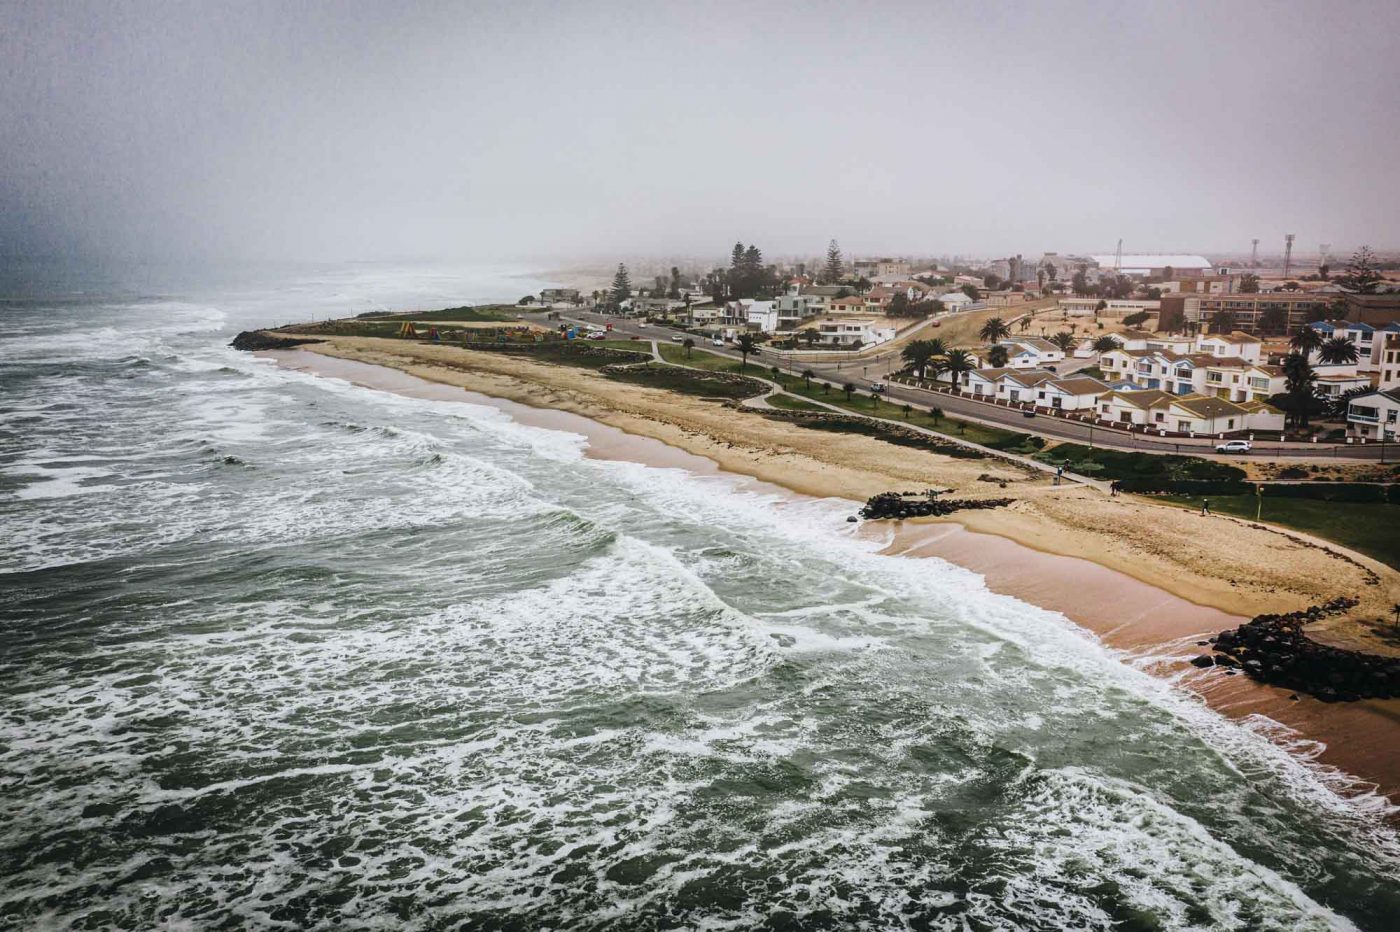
(525, 129)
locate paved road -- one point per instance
(863, 372)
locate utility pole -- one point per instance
(1287, 253)
(1254, 254)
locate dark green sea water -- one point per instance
(279, 652)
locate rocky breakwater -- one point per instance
(899, 505)
(252, 341)
(1274, 649)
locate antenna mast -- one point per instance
(1287, 253)
(1254, 254)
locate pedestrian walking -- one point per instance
(1059, 471)
(1205, 506)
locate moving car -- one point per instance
(597, 335)
(717, 342)
(1234, 446)
(1028, 413)
(878, 387)
(677, 338)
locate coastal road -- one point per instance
(864, 372)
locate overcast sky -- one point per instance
(575, 129)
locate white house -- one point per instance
(1187, 414)
(1362, 335)
(1020, 386)
(1375, 415)
(1333, 385)
(854, 332)
(1238, 344)
(1031, 352)
(982, 383)
(1078, 393)
(956, 301)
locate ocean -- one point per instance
(284, 652)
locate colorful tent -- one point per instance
(407, 330)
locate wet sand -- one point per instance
(1153, 628)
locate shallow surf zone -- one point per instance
(314, 655)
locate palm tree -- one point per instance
(994, 330)
(849, 389)
(908, 410)
(1299, 380)
(997, 356)
(807, 378)
(1395, 610)
(1104, 344)
(1306, 340)
(775, 372)
(917, 354)
(957, 362)
(689, 345)
(936, 414)
(1064, 340)
(1337, 351)
(746, 345)
(1222, 321)
(1024, 323)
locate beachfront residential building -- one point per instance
(850, 304)
(1234, 345)
(1186, 414)
(1387, 357)
(802, 302)
(655, 307)
(567, 296)
(1331, 385)
(982, 383)
(1020, 386)
(1374, 415)
(1078, 393)
(1031, 352)
(853, 332)
(1228, 377)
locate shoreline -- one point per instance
(1146, 624)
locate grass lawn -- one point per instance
(792, 403)
(1369, 528)
(635, 346)
(500, 312)
(860, 403)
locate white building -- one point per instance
(1374, 416)
(1078, 393)
(1113, 307)
(853, 332)
(1140, 265)
(1031, 352)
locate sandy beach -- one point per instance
(1047, 549)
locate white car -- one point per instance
(716, 342)
(1234, 446)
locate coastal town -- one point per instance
(1161, 348)
(1093, 405)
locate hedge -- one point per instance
(1185, 486)
(1336, 492)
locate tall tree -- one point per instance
(899, 305)
(1222, 321)
(1338, 351)
(736, 270)
(1361, 275)
(956, 363)
(1306, 340)
(746, 345)
(834, 270)
(994, 330)
(1273, 320)
(675, 291)
(1299, 382)
(997, 356)
(621, 286)
(753, 272)
(917, 354)
(1249, 283)
(1051, 271)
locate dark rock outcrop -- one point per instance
(253, 340)
(899, 505)
(1274, 649)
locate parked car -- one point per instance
(597, 335)
(878, 387)
(1234, 446)
(717, 342)
(677, 338)
(1028, 413)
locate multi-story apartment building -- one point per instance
(1246, 310)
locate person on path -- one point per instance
(1205, 506)
(1059, 471)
